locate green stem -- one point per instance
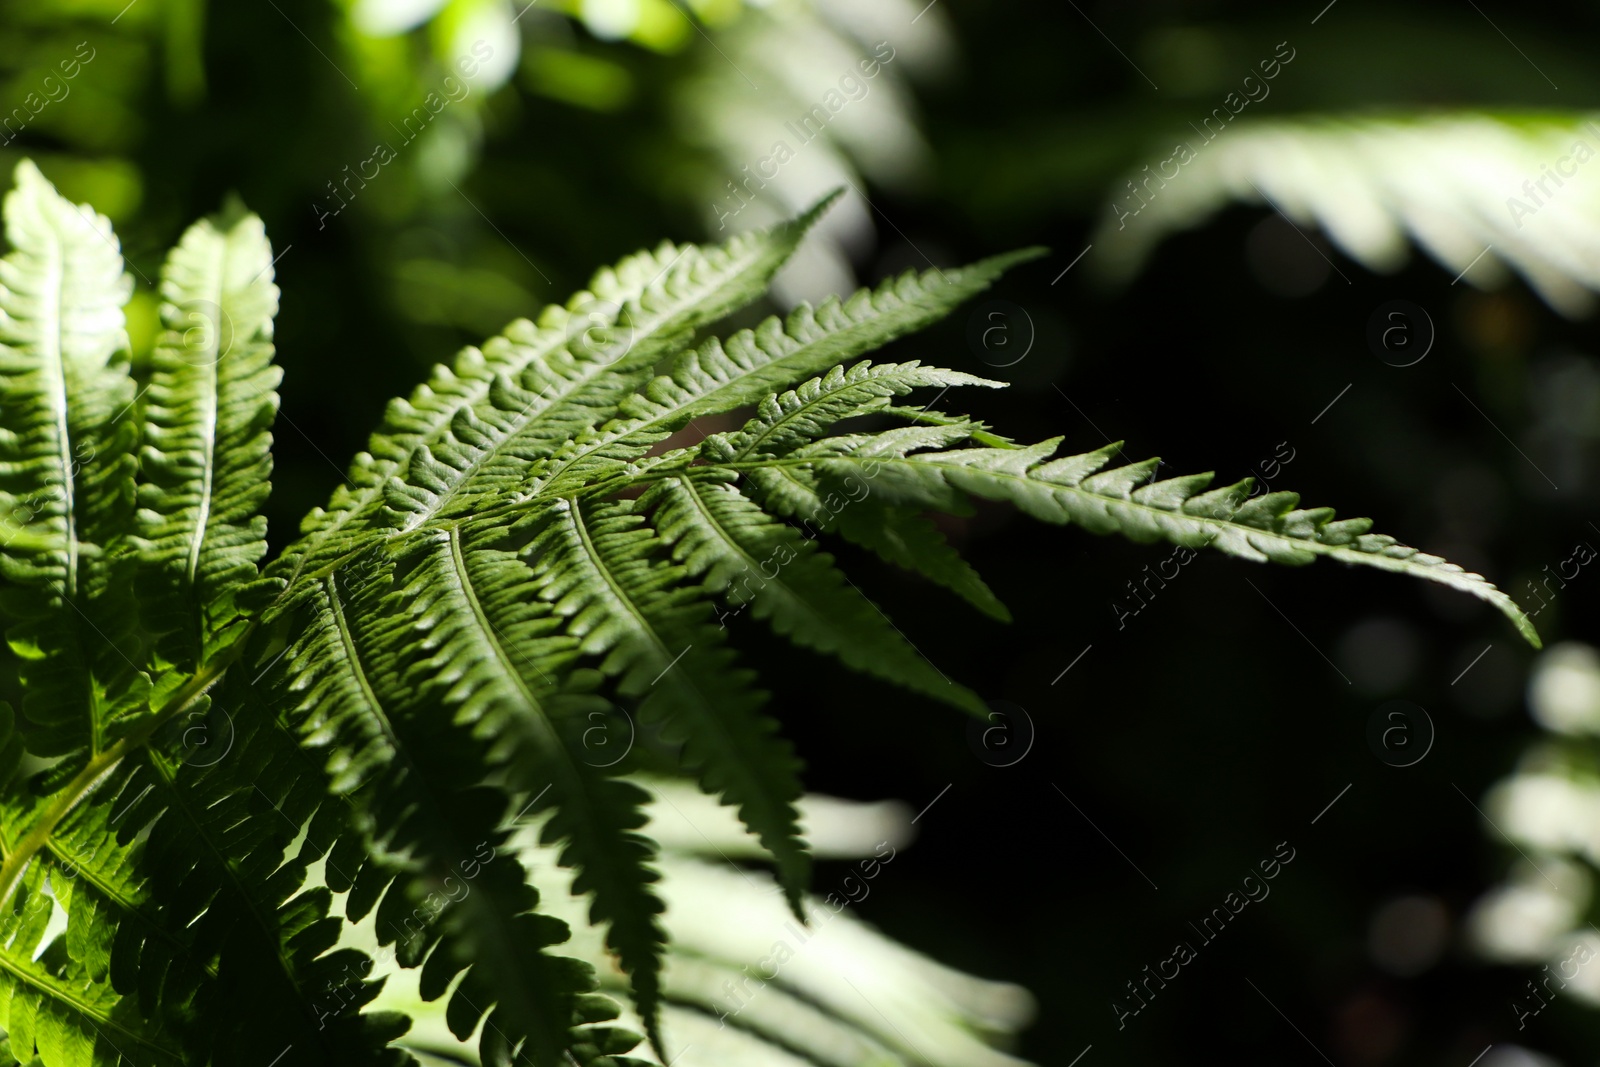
(38, 835)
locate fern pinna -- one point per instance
(216, 768)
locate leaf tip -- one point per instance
(820, 208)
(1525, 627)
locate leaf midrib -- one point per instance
(208, 434)
(49, 987)
(50, 343)
(441, 825)
(842, 340)
(795, 602)
(117, 896)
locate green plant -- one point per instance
(1340, 173)
(397, 689)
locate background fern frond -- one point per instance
(745, 984)
(1462, 185)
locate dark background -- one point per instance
(1209, 728)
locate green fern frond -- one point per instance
(182, 887)
(746, 984)
(208, 411)
(603, 568)
(898, 535)
(802, 415)
(493, 650)
(446, 898)
(53, 1007)
(719, 376)
(903, 537)
(499, 649)
(176, 894)
(729, 543)
(408, 685)
(1077, 489)
(54, 995)
(226, 854)
(66, 468)
(1470, 188)
(541, 380)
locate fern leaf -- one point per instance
(66, 468)
(121, 836)
(229, 844)
(844, 979)
(515, 542)
(721, 376)
(209, 407)
(727, 929)
(797, 419)
(61, 1002)
(406, 738)
(787, 421)
(933, 430)
(897, 535)
(903, 537)
(1077, 489)
(602, 568)
(548, 379)
(494, 652)
(730, 543)
(190, 864)
(1457, 184)
(51, 1007)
